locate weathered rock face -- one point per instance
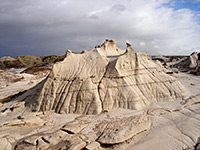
(8, 77)
(198, 71)
(102, 79)
(188, 63)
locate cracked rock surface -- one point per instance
(165, 125)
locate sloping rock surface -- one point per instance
(8, 77)
(102, 79)
(188, 64)
(38, 70)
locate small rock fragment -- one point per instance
(93, 146)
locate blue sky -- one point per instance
(193, 5)
(188, 4)
(157, 27)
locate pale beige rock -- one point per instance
(14, 123)
(75, 126)
(164, 125)
(193, 60)
(93, 131)
(93, 146)
(102, 79)
(49, 112)
(68, 52)
(17, 105)
(1, 105)
(27, 121)
(56, 140)
(4, 144)
(7, 78)
(124, 129)
(36, 121)
(17, 87)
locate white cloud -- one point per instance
(50, 25)
(142, 43)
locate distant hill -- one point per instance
(27, 61)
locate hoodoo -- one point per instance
(104, 78)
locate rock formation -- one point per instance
(8, 77)
(51, 58)
(102, 79)
(139, 106)
(9, 62)
(198, 71)
(28, 61)
(188, 63)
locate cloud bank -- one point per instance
(50, 27)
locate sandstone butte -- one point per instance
(102, 79)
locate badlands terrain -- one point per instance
(103, 98)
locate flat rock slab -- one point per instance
(121, 130)
(56, 140)
(75, 126)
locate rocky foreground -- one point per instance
(105, 98)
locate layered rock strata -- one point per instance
(102, 79)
